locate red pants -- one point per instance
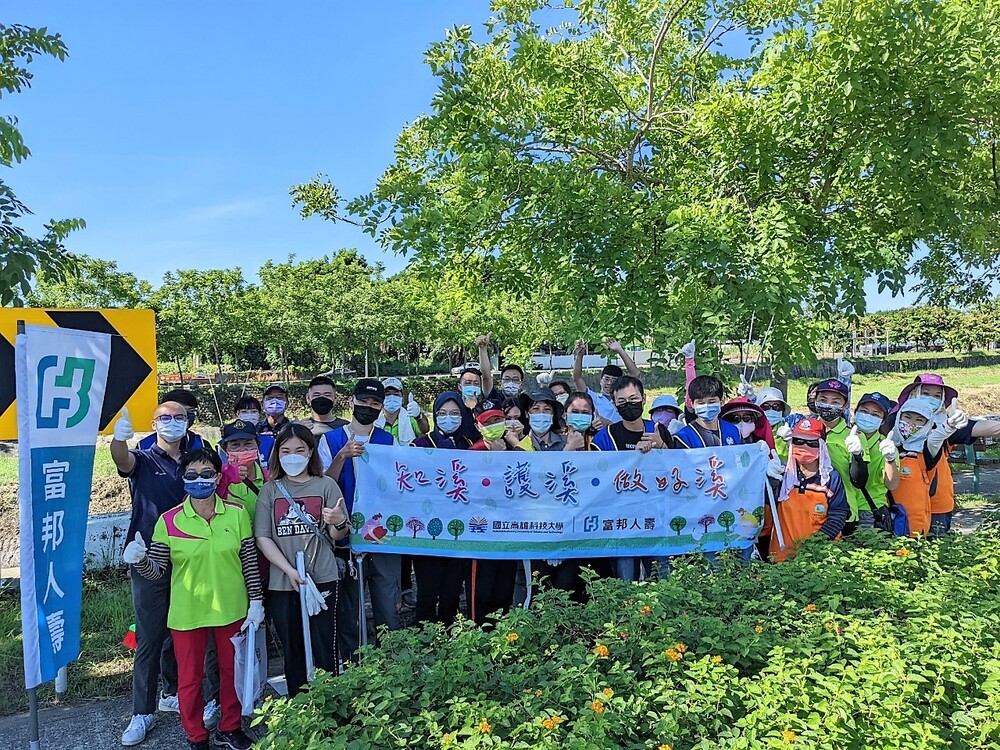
(189, 647)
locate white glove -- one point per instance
(123, 427)
(315, 601)
(775, 469)
(553, 563)
(413, 408)
(744, 389)
(844, 368)
(889, 450)
(688, 350)
(853, 442)
(785, 433)
(255, 615)
(135, 551)
(675, 426)
(957, 419)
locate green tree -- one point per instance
(394, 523)
(91, 283)
(435, 527)
(726, 520)
(621, 160)
(456, 528)
(23, 256)
(677, 523)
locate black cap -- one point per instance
(238, 430)
(369, 388)
(539, 394)
(276, 387)
(613, 370)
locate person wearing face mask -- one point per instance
(190, 404)
(248, 409)
(921, 441)
(155, 485)
(275, 402)
(706, 431)
(665, 409)
(932, 388)
(809, 491)
(404, 424)
(873, 462)
(749, 420)
(321, 397)
(545, 426)
(779, 417)
(207, 546)
(439, 579)
(382, 572)
(242, 474)
(562, 390)
(302, 510)
(580, 415)
(513, 419)
(604, 401)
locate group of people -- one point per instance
(221, 538)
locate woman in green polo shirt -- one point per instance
(207, 544)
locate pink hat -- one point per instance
(928, 378)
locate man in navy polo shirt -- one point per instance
(382, 572)
(188, 400)
(156, 486)
(275, 403)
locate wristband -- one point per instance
(340, 526)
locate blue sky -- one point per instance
(176, 129)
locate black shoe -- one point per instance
(235, 740)
(200, 745)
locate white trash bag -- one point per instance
(250, 649)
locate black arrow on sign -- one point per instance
(127, 369)
(8, 388)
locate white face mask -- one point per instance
(294, 463)
(746, 429)
(250, 417)
(562, 398)
(172, 431)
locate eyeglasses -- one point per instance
(511, 380)
(806, 443)
(737, 418)
(190, 476)
(165, 419)
(630, 401)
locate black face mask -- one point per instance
(321, 405)
(829, 412)
(630, 412)
(366, 414)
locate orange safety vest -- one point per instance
(914, 492)
(800, 516)
(943, 499)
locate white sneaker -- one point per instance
(169, 703)
(211, 715)
(136, 730)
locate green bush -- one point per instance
(871, 643)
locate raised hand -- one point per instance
(135, 551)
(688, 350)
(337, 515)
(853, 442)
(744, 389)
(785, 433)
(888, 450)
(413, 408)
(957, 419)
(483, 341)
(123, 427)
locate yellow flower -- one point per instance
(902, 552)
(538, 693)
(597, 707)
(601, 651)
(484, 727)
(512, 637)
(810, 608)
(788, 735)
(758, 629)
(680, 647)
(558, 719)
(534, 574)
(664, 746)
(446, 738)
(828, 625)
(647, 610)
(673, 654)
(607, 692)
(548, 724)
(716, 660)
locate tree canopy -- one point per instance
(668, 167)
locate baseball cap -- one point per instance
(810, 428)
(486, 416)
(369, 388)
(393, 383)
(276, 387)
(834, 386)
(238, 430)
(665, 401)
(878, 399)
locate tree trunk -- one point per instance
(180, 372)
(218, 364)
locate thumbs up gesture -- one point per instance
(888, 450)
(123, 427)
(957, 419)
(135, 551)
(853, 442)
(413, 408)
(775, 469)
(744, 389)
(335, 516)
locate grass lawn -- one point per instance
(103, 466)
(104, 668)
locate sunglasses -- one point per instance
(737, 418)
(191, 476)
(806, 443)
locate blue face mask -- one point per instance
(448, 423)
(540, 423)
(773, 417)
(867, 423)
(708, 412)
(200, 489)
(392, 404)
(471, 391)
(580, 422)
(936, 404)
